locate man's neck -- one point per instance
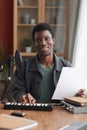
(47, 61)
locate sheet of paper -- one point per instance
(71, 80)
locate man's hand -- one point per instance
(80, 93)
(28, 98)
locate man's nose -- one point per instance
(43, 42)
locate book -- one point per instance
(8, 122)
(78, 101)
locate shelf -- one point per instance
(54, 12)
(27, 7)
(55, 7)
(24, 25)
(30, 54)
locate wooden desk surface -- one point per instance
(53, 120)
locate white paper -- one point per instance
(70, 82)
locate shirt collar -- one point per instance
(34, 64)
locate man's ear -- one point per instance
(54, 41)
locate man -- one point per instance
(37, 77)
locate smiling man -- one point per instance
(36, 79)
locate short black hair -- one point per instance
(40, 27)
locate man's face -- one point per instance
(44, 42)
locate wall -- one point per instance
(6, 26)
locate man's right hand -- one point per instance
(28, 98)
(80, 93)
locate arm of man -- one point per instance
(19, 90)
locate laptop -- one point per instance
(8, 122)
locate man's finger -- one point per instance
(31, 99)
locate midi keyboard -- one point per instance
(27, 106)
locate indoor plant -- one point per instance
(28, 43)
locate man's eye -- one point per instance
(47, 39)
(38, 40)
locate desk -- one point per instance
(50, 120)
